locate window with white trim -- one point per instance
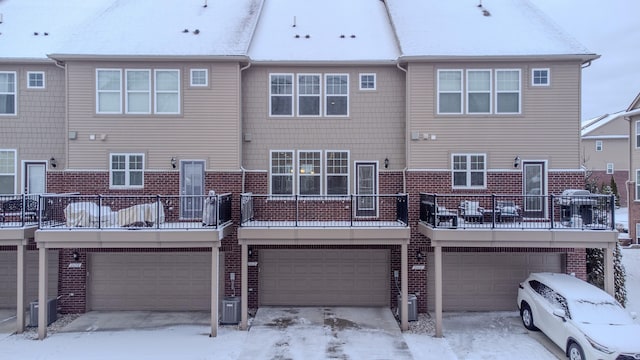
(7, 172)
(167, 91)
(309, 172)
(469, 170)
(598, 145)
(8, 93)
(508, 91)
(638, 134)
(138, 85)
(337, 172)
(281, 172)
(637, 184)
(199, 77)
(126, 170)
(609, 168)
(479, 91)
(108, 91)
(35, 79)
(449, 91)
(281, 95)
(309, 95)
(337, 94)
(367, 81)
(540, 77)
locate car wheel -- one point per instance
(527, 317)
(575, 352)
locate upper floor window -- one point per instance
(8, 93)
(337, 172)
(638, 186)
(337, 97)
(309, 172)
(367, 81)
(540, 77)
(138, 84)
(507, 91)
(609, 168)
(598, 145)
(199, 77)
(308, 95)
(479, 91)
(281, 172)
(637, 134)
(167, 91)
(126, 170)
(35, 79)
(469, 170)
(7, 171)
(281, 95)
(449, 91)
(108, 91)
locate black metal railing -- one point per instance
(324, 210)
(584, 212)
(19, 210)
(135, 211)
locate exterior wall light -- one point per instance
(173, 162)
(516, 161)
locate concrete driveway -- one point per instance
(7, 321)
(120, 320)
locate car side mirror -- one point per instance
(560, 313)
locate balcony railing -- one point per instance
(324, 211)
(159, 212)
(19, 210)
(591, 212)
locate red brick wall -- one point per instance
(620, 177)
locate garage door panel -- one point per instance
(324, 277)
(486, 281)
(9, 276)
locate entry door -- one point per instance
(534, 188)
(35, 174)
(366, 184)
(191, 189)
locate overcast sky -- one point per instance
(610, 28)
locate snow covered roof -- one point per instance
(324, 30)
(472, 28)
(595, 123)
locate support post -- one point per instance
(21, 279)
(215, 253)
(43, 279)
(438, 295)
(609, 272)
(404, 318)
(244, 292)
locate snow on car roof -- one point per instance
(571, 287)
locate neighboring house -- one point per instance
(387, 153)
(632, 115)
(605, 151)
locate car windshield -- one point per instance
(599, 312)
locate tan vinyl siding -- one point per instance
(546, 129)
(374, 129)
(635, 151)
(207, 128)
(614, 151)
(37, 132)
(618, 126)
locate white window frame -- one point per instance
(328, 174)
(300, 95)
(192, 78)
(127, 91)
(599, 145)
(468, 171)
(156, 92)
(127, 171)
(498, 91)
(362, 82)
(469, 92)
(637, 184)
(118, 91)
(291, 173)
(637, 134)
(272, 95)
(301, 173)
(36, 86)
(327, 95)
(14, 93)
(609, 168)
(460, 92)
(14, 174)
(534, 77)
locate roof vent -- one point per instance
(185, 31)
(196, 31)
(294, 22)
(1, 18)
(307, 36)
(342, 36)
(46, 34)
(297, 36)
(35, 33)
(353, 36)
(205, 4)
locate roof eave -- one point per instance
(98, 57)
(323, 62)
(26, 60)
(469, 58)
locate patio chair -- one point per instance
(471, 211)
(446, 217)
(508, 210)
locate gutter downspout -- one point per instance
(406, 146)
(242, 168)
(63, 65)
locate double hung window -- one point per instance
(108, 91)
(309, 172)
(469, 170)
(138, 100)
(167, 91)
(281, 95)
(126, 170)
(308, 95)
(507, 91)
(8, 93)
(7, 171)
(450, 91)
(337, 95)
(282, 172)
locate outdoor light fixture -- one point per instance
(53, 162)
(419, 255)
(250, 251)
(173, 162)
(516, 161)
(386, 163)
(76, 256)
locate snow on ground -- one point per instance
(631, 262)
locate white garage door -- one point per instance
(149, 281)
(9, 280)
(486, 281)
(322, 277)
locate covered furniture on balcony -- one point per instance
(471, 211)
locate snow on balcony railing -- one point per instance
(19, 210)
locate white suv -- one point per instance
(583, 320)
